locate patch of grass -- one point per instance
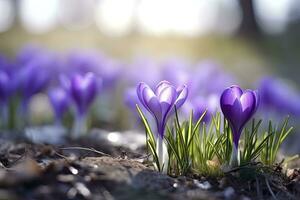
(274, 138)
(205, 149)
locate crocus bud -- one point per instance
(59, 100)
(160, 103)
(83, 90)
(238, 107)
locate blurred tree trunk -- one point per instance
(249, 26)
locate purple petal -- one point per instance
(257, 99)
(167, 98)
(139, 92)
(248, 100)
(228, 97)
(152, 103)
(167, 95)
(182, 94)
(236, 90)
(161, 86)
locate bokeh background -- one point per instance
(147, 40)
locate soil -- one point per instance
(92, 169)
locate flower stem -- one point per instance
(58, 122)
(162, 154)
(235, 156)
(80, 126)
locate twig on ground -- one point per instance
(258, 188)
(270, 189)
(85, 149)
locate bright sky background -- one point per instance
(154, 17)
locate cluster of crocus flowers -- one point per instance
(36, 70)
(79, 89)
(21, 79)
(238, 107)
(161, 103)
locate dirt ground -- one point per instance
(91, 169)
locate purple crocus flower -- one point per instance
(83, 90)
(32, 80)
(160, 103)
(28, 80)
(238, 107)
(59, 100)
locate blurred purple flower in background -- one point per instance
(143, 70)
(28, 53)
(238, 107)
(205, 96)
(4, 62)
(60, 103)
(5, 91)
(130, 99)
(176, 71)
(160, 103)
(83, 91)
(209, 72)
(32, 79)
(4, 87)
(199, 105)
(94, 61)
(279, 96)
(80, 61)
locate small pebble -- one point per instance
(228, 193)
(73, 170)
(175, 185)
(65, 178)
(203, 185)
